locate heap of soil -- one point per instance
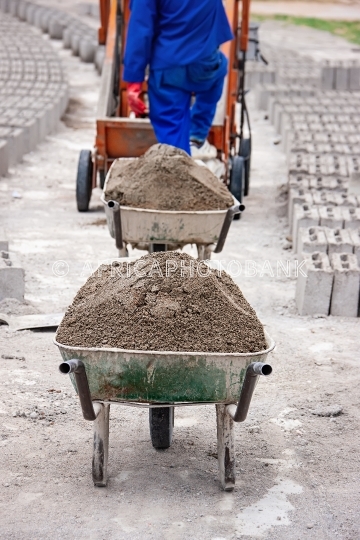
(166, 178)
(165, 301)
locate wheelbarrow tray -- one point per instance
(162, 376)
(140, 225)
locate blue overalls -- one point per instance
(179, 40)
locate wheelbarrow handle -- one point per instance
(114, 206)
(236, 209)
(239, 412)
(78, 368)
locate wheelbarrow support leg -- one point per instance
(101, 445)
(226, 448)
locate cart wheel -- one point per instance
(84, 181)
(237, 180)
(161, 420)
(154, 248)
(245, 152)
(102, 178)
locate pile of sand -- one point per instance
(165, 301)
(166, 178)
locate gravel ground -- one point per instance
(298, 472)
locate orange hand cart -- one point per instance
(119, 136)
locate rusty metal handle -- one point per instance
(236, 209)
(245, 17)
(239, 412)
(114, 206)
(77, 367)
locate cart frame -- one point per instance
(118, 136)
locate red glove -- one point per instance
(135, 103)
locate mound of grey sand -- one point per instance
(165, 301)
(166, 178)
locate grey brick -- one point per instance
(303, 216)
(312, 239)
(345, 294)
(331, 216)
(355, 237)
(339, 241)
(4, 157)
(313, 291)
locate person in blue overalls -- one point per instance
(179, 40)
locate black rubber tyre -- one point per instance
(102, 178)
(161, 420)
(237, 180)
(245, 152)
(155, 248)
(84, 181)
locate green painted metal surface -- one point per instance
(163, 377)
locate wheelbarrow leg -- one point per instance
(226, 448)
(204, 251)
(101, 446)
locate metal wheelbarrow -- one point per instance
(160, 230)
(161, 381)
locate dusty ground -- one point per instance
(345, 10)
(298, 473)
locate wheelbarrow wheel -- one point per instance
(161, 420)
(155, 248)
(84, 181)
(237, 179)
(245, 152)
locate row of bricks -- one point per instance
(326, 164)
(76, 35)
(328, 285)
(325, 113)
(291, 113)
(340, 77)
(12, 276)
(30, 132)
(266, 92)
(317, 183)
(333, 217)
(323, 138)
(331, 133)
(329, 241)
(314, 118)
(45, 18)
(324, 148)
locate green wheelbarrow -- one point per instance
(161, 381)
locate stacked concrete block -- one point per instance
(352, 218)
(338, 240)
(298, 181)
(33, 88)
(345, 293)
(12, 278)
(314, 284)
(303, 216)
(327, 183)
(320, 134)
(355, 238)
(297, 196)
(4, 244)
(340, 75)
(312, 239)
(331, 216)
(324, 198)
(345, 199)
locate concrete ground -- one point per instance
(298, 471)
(343, 11)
